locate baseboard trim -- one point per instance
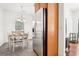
(2, 43)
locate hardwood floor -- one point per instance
(4, 51)
(73, 49)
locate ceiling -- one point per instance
(16, 7)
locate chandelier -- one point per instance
(21, 17)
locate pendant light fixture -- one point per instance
(21, 17)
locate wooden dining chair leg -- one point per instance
(22, 44)
(13, 47)
(27, 43)
(9, 44)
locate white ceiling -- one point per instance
(15, 7)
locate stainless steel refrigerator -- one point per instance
(40, 32)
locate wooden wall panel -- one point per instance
(40, 5)
(43, 5)
(52, 40)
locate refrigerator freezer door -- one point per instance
(38, 41)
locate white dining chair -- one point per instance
(14, 40)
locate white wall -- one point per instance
(9, 19)
(75, 18)
(1, 27)
(68, 16)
